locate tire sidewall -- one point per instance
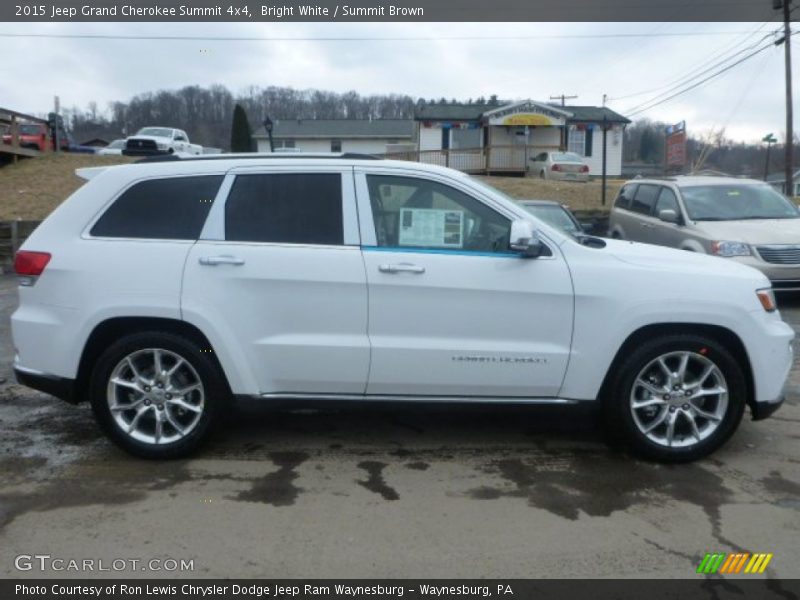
(621, 417)
(214, 389)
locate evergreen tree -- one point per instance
(240, 131)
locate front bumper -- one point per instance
(784, 277)
(60, 387)
(762, 410)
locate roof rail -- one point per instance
(255, 155)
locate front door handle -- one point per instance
(213, 261)
(401, 268)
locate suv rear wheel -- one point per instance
(156, 394)
(677, 398)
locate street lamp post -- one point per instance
(268, 126)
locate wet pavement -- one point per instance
(416, 492)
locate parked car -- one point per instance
(150, 141)
(554, 214)
(559, 166)
(32, 135)
(328, 278)
(741, 220)
(113, 149)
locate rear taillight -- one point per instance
(584, 169)
(29, 265)
(555, 168)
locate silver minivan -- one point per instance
(739, 219)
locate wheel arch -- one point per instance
(108, 331)
(721, 334)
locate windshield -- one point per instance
(555, 216)
(116, 144)
(566, 157)
(155, 132)
(30, 130)
(736, 202)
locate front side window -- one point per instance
(667, 201)
(287, 208)
(419, 213)
(174, 208)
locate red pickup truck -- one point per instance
(32, 135)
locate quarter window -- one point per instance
(174, 208)
(625, 195)
(644, 199)
(285, 208)
(419, 213)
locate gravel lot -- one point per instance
(392, 493)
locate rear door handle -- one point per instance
(401, 268)
(213, 261)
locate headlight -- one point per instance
(162, 146)
(730, 249)
(767, 298)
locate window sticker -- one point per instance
(429, 227)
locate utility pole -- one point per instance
(563, 98)
(787, 48)
(605, 148)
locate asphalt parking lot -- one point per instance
(391, 493)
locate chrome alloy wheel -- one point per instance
(679, 399)
(155, 396)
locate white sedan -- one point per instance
(113, 149)
(560, 166)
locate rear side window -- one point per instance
(286, 208)
(644, 199)
(625, 195)
(174, 208)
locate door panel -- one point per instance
(286, 283)
(470, 321)
(298, 313)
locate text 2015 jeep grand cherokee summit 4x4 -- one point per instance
(161, 289)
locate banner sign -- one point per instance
(382, 10)
(676, 145)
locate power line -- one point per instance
(701, 82)
(693, 75)
(200, 38)
(720, 52)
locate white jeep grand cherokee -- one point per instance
(161, 290)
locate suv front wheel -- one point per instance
(156, 394)
(677, 398)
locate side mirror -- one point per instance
(668, 216)
(524, 239)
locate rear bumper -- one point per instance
(60, 387)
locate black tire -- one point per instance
(618, 413)
(542, 175)
(214, 389)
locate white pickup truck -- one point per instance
(150, 141)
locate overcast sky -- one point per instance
(748, 100)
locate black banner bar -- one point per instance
(734, 588)
(386, 10)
